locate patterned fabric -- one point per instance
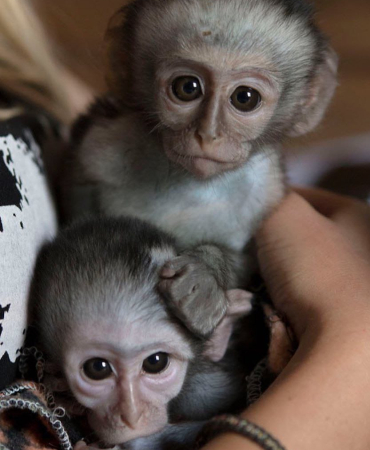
(28, 423)
(27, 219)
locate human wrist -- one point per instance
(230, 423)
(320, 392)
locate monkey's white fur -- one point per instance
(194, 210)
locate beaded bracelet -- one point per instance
(235, 424)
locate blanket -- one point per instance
(28, 422)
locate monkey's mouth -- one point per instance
(203, 167)
(110, 431)
(203, 158)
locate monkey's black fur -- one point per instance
(107, 107)
(81, 245)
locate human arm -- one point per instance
(318, 273)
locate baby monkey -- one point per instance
(127, 360)
(202, 93)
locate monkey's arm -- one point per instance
(195, 285)
(80, 174)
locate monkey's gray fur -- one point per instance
(131, 153)
(109, 268)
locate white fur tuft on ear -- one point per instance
(321, 92)
(239, 304)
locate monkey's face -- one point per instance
(221, 79)
(126, 375)
(213, 113)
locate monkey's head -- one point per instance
(102, 323)
(218, 79)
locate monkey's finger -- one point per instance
(165, 288)
(167, 272)
(175, 266)
(177, 289)
(239, 302)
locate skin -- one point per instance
(220, 134)
(316, 260)
(130, 403)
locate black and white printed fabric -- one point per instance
(27, 219)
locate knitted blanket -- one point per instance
(28, 422)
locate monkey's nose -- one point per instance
(205, 138)
(130, 403)
(131, 417)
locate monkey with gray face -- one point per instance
(131, 364)
(202, 94)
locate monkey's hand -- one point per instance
(193, 293)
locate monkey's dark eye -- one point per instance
(156, 363)
(245, 98)
(187, 89)
(97, 369)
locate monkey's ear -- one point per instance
(321, 91)
(239, 304)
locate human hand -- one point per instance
(314, 253)
(315, 259)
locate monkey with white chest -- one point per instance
(202, 94)
(131, 364)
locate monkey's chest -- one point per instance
(192, 216)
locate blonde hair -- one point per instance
(27, 66)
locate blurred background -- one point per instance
(77, 27)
